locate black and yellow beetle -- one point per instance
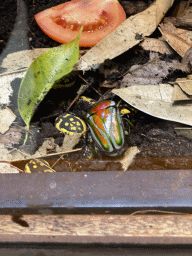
(104, 122)
(70, 124)
(37, 166)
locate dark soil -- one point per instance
(154, 137)
(8, 11)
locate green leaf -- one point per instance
(41, 75)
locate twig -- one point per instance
(80, 91)
(13, 72)
(37, 157)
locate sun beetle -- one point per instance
(105, 124)
(106, 127)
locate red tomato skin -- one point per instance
(113, 11)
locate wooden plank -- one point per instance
(129, 229)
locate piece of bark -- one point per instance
(128, 34)
(69, 142)
(128, 158)
(48, 145)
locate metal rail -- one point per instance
(96, 191)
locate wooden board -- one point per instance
(104, 229)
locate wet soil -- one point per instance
(156, 138)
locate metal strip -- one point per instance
(132, 189)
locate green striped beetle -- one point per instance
(105, 124)
(106, 128)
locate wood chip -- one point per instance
(69, 142)
(128, 157)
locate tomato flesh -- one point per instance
(99, 18)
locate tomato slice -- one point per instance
(99, 18)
